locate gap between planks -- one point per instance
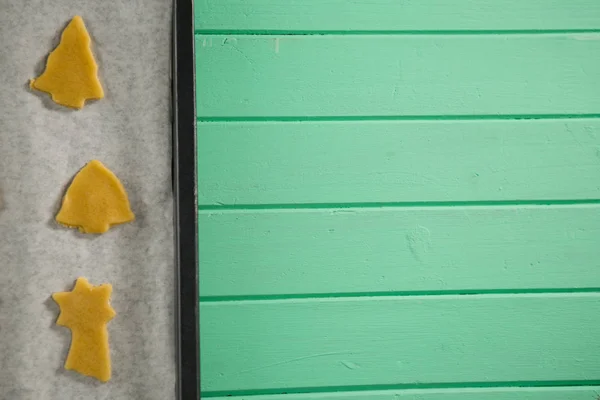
(512, 393)
(416, 293)
(392, 296)
(349, 118)
(352, 207)
(416, 386)
(481, 32)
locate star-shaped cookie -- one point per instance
(86, 311)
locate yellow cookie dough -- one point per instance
(95, 200)
(86, 311)
(71, 74)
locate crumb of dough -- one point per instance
(71, 74)
(95, 200)
(86, 310)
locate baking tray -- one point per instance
(143, 130)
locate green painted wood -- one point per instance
(386, 15)
(398, 161)
(254, 253)
(430, 340)
(560, 393)
(330, 292)
(424, 75)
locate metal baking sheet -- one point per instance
(42, 146)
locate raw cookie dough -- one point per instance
(71, 74)
(86, 311)
(95, 200)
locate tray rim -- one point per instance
(185, 192)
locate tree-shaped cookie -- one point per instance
(94, 201)
(86, 311)
(71, 74)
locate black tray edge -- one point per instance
(185, 191)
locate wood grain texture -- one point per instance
(398, 161)
(255, 345)
(559, 393)
(425, 75)
(382, 15)
(251, 253)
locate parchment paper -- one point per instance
(42, 146)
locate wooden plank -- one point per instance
(379, 75)
(386, 15)
(315, 343)
(398, 161)
(247, 253)
(518, 393)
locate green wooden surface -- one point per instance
(563, 393)
(315, 343)
(398, 161)
(282, 252)
(277, 76)
(396, 15)
(364, 163)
